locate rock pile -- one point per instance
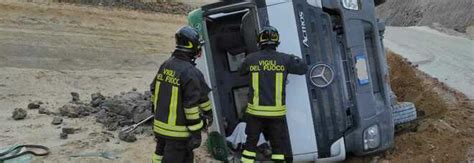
(113, 112)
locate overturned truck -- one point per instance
(342, 105)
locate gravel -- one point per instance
(75, 97)
(57, 121)
(127, 137)
(42, 110)
(19, 114)
(35, 105)
(453, 14)
(69, 130)
(63, 135)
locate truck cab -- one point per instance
(342, 105)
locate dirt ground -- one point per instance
(50, 50)
(444, 131)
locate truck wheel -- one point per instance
(403, 112)
(379, 2)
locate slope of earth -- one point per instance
(448, 58)
(453, 14)
(50, 50)
(443, 131)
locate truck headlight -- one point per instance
(351, 4)
(371, 137)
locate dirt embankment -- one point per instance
(453, 14)
(442, 131)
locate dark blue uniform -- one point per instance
(179, 95)
(267, 71)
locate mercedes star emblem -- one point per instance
(321, 75)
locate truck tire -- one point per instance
(403, 112)
(379, 2)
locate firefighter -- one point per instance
(267, 71)
(180, 101)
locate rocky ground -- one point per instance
(454, 14)
(146, 6)
(49, 50)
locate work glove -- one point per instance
(194, 141)
(207, 119)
